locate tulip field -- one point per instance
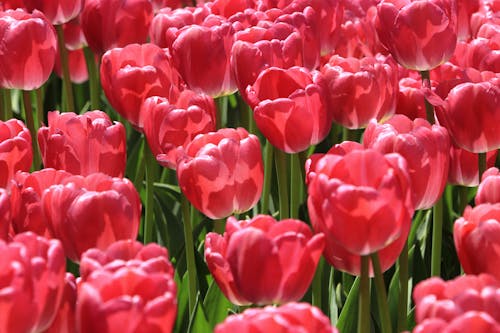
(249, 166)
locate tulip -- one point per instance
(222, 172)
(83, 144)
(57, 12)
(78, 72)
(131, 74)
(26, 200)
(108, 24)
(201, 53)
(5, 214)
(291, 317)
(425, 148)
(469, 302)
(169, 126)
(354, 191)
(489, 188)
(11, 4)
(74, 38)
(289, 107)
(252, 261)
(476, 232)
(269, 45)
(25, 66)
(16, 153)
(32, 274)
(360, 90)
(482, 132)
(464, 166)
(92, 211)
(420, 35)
(411, 100)
(130, 253)
(65, 320)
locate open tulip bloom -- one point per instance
(249, 166)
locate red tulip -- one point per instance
(151, 258)
(222, 172)
(170, 126)
(32, 271)
(360, 90)
(26, 200)
(356, 192)
(83, 144)
(78, 72)
(291, 317)
(92, 211)
(5, 214)
(253, 261)
(27, 51)
(15, 149)
(489, 188)
(74, 38)
(65, 320)
(131, 74)
(464, 12)
(483, 125)
(464, 166)
(201, 53)
(426, 150)
(128, 287)
(269, 45)
(115, 23)
(478, 231)
(411, 100)
(289, 107)
(420, 35)
(57, 12)
(466, 303)
(11, 4)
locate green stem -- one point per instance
(437, 238)
(39, 106)
(2, 107)
(403, 289)
(268, 171)
(28, 110)
(94, 83)
(349, 135)
(219, 226)
(222, 103)
(364, 297)
(7, 104)
(150, 178)
(189, 247)
(296, 185)
(70, 102)
(281, 172)
(429, 109)
(482, 165)
(385, 318)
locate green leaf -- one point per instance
(198, 322)
(349, 316)
(216, 304)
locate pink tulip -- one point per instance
(15, 149)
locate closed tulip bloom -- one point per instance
(467, 302)
(483, 125)
(426, 149)
(92, 211)
(83, 144)
(32, 274)
(489, 188)
(78, 72)
(477, 231)
(411, 100)
(58, 11)
(5, 214)
(168, 126)
(108, 24)
(202, 53)
(252, 261)
(290, 108)
(359, 90)
(27, 51)
(26, 200)
(65, 320)
(130, 253)
(420, 35)
(464, 166)
(16, 153)
(288, 318)
(129, 300)
(222, 172)
(131, 74)
(354, 191)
